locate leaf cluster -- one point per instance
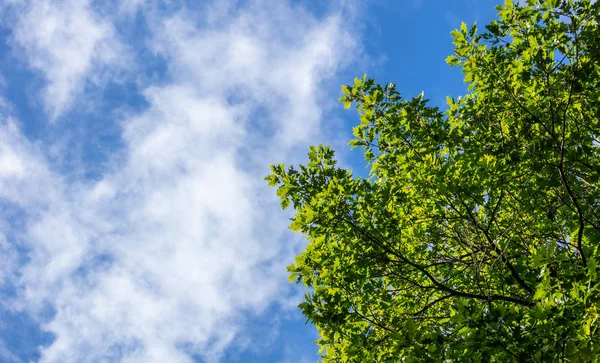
(476, 235)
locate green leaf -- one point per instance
(475, 235)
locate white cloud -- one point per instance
(6, 355)
(277, 63)
(24, 176)
(68, 44)
(165, 256)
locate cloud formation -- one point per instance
(69, 44)
(164, 255)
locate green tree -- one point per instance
(476, 235)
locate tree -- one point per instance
(476, 235)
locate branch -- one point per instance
(561, 165)
(427, 306)
(498, 251)
(435, 282)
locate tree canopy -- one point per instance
(476, 235)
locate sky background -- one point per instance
(135, 224)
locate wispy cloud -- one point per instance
(69, 44)
(164, 256)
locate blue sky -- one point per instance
(134, 135)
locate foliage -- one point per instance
(476, 236)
